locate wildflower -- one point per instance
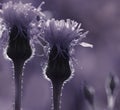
(61, 37)
(17, 22)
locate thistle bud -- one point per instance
(111, 90)
(113, 82)
(58, 68)
(19, 46)
(89, 94)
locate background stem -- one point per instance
(18, 69)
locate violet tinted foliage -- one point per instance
(101, 18)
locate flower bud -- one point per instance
(19, 47)
(58, 68)
(111, 84)
(89, 94)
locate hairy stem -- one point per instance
(57, 88)
(18, 69)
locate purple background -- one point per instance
(102, 19)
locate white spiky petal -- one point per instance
(63, 34)
(20, 15)
(84, 44)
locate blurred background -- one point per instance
(102, 19)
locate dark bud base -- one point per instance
(19, 47)
(58, 69)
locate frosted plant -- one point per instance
(61, 36)
(111, 90)
(18, 20)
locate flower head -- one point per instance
(18, 20)
(63, 34)
(21, 15)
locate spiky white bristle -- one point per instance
(63, 33)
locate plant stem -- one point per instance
(93, 107)
(18, 69)
(57, 88)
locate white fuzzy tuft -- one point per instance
(63, 34)
(21, 15)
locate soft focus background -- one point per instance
(102, 19)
